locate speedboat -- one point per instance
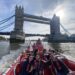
(16, 67)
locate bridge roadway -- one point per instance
(27, 35)
(36, 19)
(62, 40)
(69, 39)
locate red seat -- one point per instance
(18, 69)
(70, 64)
(10, 71)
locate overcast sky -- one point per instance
(44, 8)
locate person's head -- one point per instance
(39, 41)
(28, 47)
(34, 44)
(37, 57)
(44, 51)
(30, 58)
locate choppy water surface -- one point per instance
(6, 47)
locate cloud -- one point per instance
(3, 9)
(47, 8)
(44, 8)
(36, 28)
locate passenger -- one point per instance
(41, 54)
(43, 64)
(23, 55)
(37, 65)
(38, 41)
(39, 45)
(61, 67)
(24, 67)
(30, 68)
(48, 66)
(44, 51)
(34, 46)
(35, 52)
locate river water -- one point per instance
(6, 47)
(9, 52)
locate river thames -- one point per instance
(6, 47)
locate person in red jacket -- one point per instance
(39, 45)
(48, 66)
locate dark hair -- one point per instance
(35, 52)
(44, 50)
(48, 57)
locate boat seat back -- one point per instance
(18, 69)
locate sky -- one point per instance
(46, 8)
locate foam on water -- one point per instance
(69, 57)
(7, 60)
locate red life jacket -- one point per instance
(39, 47)
(18, 69)
(49, 70)
(0, 73)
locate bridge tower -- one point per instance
(55, 27)
(17, 35)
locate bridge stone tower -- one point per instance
(17, 35)
(55, 27)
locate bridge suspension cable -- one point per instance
(65, 29)
(6, 26)
(5, 20)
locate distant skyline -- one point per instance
(45, 8)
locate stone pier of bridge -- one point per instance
(17, 35)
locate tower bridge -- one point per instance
(17, 35)
(20, 17)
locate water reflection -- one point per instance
(14, 46)
(4, 48)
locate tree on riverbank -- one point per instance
(2, 38)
